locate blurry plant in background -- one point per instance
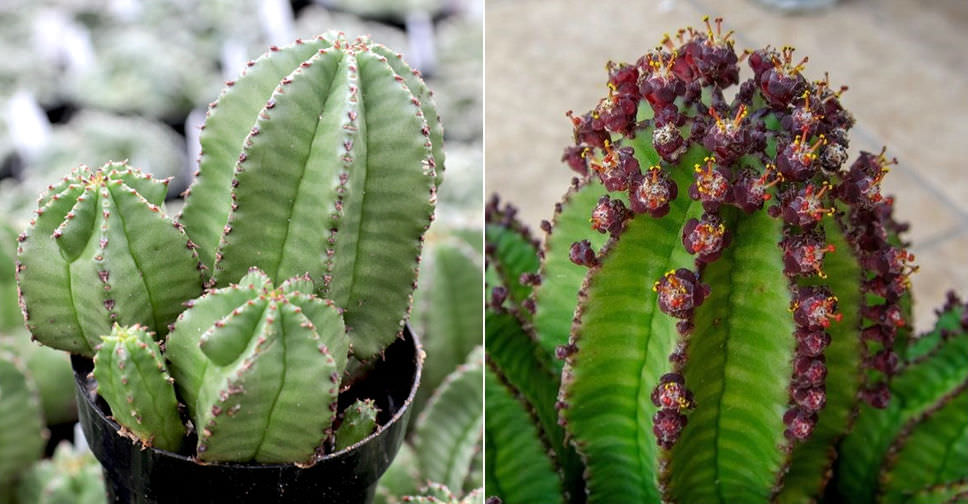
(84, 81)
(81, 77)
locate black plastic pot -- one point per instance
(134, 474)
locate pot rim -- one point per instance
(81, 382)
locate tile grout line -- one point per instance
(941, 238)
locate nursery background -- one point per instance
(902, 60)
(87, 81)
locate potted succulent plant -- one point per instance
(719, 299)
(248, 348)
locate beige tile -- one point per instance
(542, 59)
(942, 269)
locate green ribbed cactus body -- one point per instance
(69, 476)
(322, 159)
(438, 493)
(133, 379)
(101, 251)
(22, 432)
(50, 370)
(10, 316)
(359, 420)
(259, 368)
(918, 445)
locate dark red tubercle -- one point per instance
(778, 77)
(711, 186)
(800, 423)
(811, 398)
(814, 308)
(705, 238)
(623, 79)
(811, 343)
(805, 207)
(680, 292)
(671, 393)
(667, 425)
(809, 371)
(668, 142)
(582, 254)
(499, 294)
(732, 137)
(797, 160)
(609, 215)
(803, 254)
(574, 157)
(885, 361)
(877, 395)
(617, 168)
(751, 189)
(653, 193)
(588, 130)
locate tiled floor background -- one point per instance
(904, 60)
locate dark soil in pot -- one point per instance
(134, 474)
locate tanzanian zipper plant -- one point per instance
(295, 255)
(70, 475)
(716, 294)
(444, 445)
(22, 432)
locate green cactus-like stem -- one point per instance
(10, 316)
(50, 370)
(511, 251)
(133, 379)
(333, 174)
(69, 476)
(449, 428)
(259, 368)
(517, 467)
(554, 298)
(22, 433)
(359, 420)
(920, 440)
(101, 251)
(447, 310)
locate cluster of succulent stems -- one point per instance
(247, 307)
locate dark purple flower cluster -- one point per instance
(680, 292)
(779, 79)
(711, 185)
(705, 237)
(813, 309)
(582, 254)
(617, 168)
(653, 193)
(672, 398)
(887, 268)
(803, 253)
(779, 144)
(609, 215)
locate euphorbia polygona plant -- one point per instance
(296, 251)
(721, 288)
